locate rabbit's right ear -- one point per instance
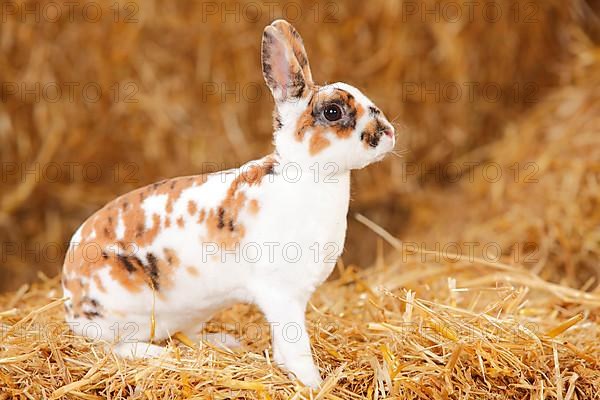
(284, 62)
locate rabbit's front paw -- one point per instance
(307, 373)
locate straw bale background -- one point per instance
(537, 191)
(168, 57)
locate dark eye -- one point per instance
(332, 112)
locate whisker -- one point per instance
(401, 153)
(395, 118)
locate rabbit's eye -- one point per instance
(332, 112)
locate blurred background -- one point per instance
(497, 106)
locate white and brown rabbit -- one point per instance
(164, 258)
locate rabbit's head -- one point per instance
(333, 123)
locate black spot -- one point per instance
(231, 228)
(270, 169)
(302, 60)
(126, 263)
(104, 255)
(374, 140)
(277, 124)
(91, 314)
(295, 33)
(373, 112)
(221, 215)
(297, 85)
(152, 269)
(371, 138)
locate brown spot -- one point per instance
(192, 271)
(318, 142)
(128, 270)
(192, 207)
(222, 223)
(372, 133)
(253, 206)
(180, 222)
(171, 257)
(99, 284)
(201, 216)
(307, 119)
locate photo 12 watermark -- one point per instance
(470, 171)
(69, 92)
(467, 11)
(71, 11)
(69, 172)
(266, 11)
(470, 92)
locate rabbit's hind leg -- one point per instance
(137, 350)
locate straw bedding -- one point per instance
(402, 329)
(421, 321)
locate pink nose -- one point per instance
(389, 132)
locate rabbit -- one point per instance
(164, 258)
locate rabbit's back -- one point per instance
(147, 244)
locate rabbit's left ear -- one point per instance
(285, 65)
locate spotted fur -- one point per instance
(165, 257)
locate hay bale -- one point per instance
(543, 209)
(163, 108)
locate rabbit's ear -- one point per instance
(295, 42)
(284, 62)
